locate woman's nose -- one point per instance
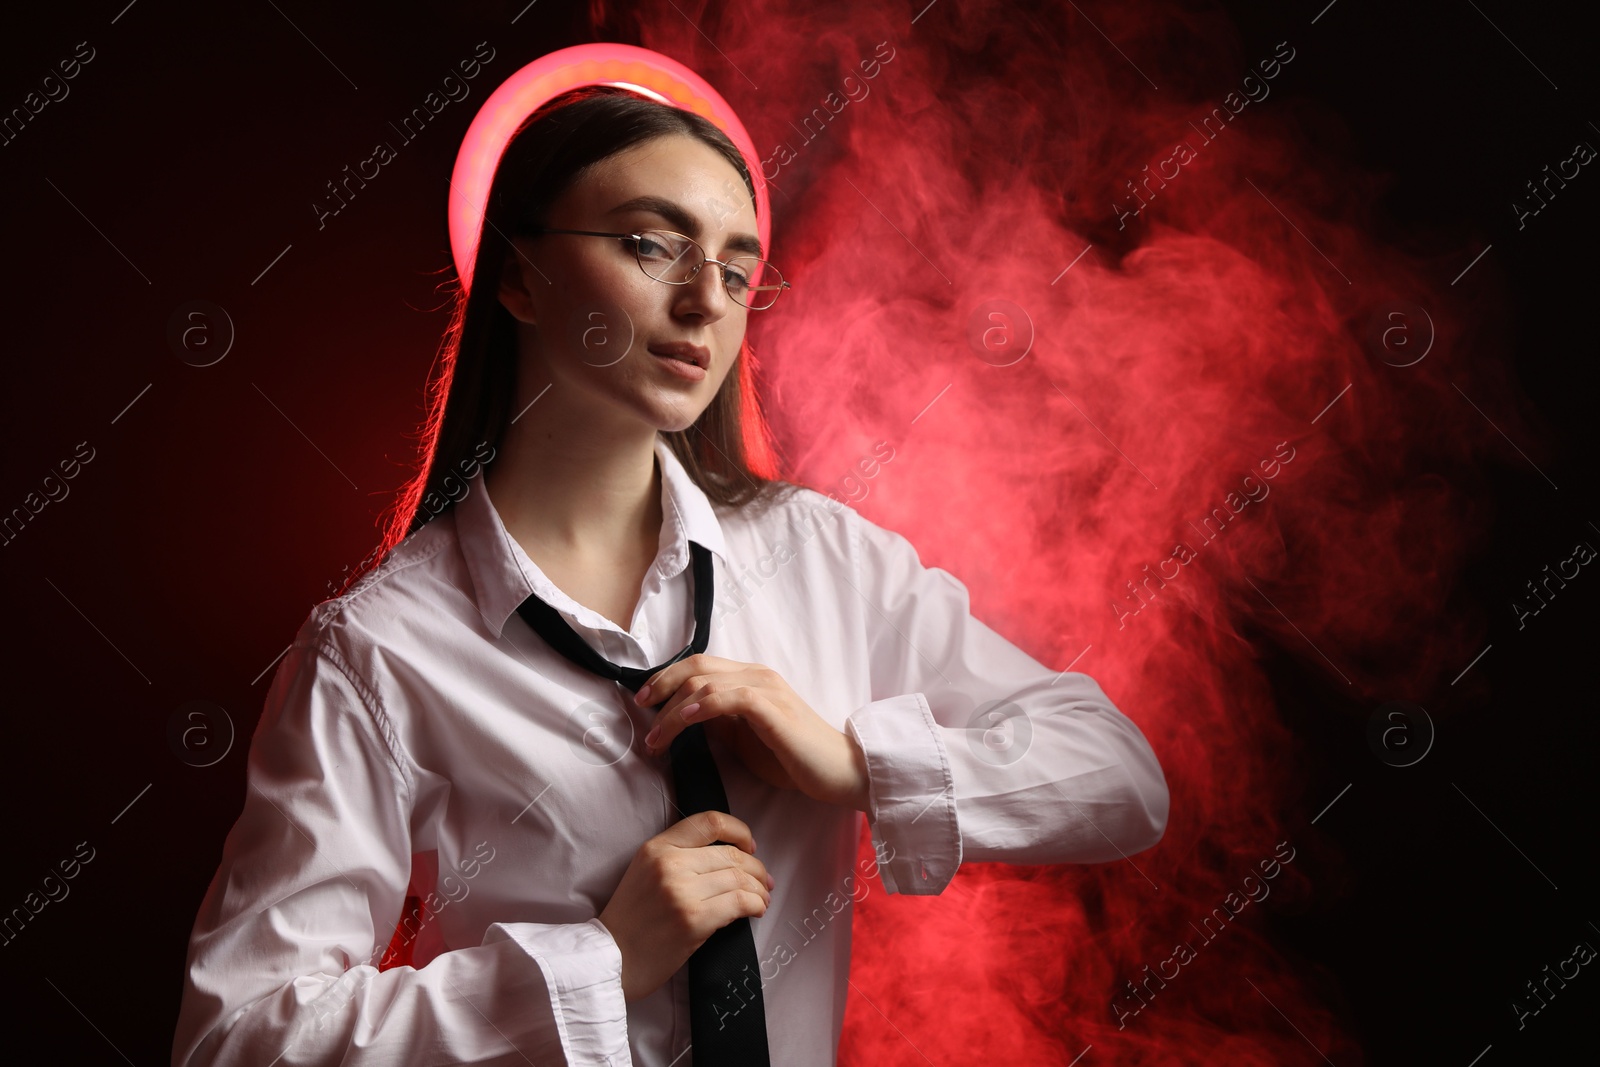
(708, 289)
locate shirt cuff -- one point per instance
(582, 968)
(911, 801)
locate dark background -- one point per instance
(207, 523)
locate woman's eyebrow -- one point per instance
(685, 222)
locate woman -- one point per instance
(587, 444)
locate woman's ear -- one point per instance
(513, 286)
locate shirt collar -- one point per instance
(503, 575)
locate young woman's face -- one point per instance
(590, 315)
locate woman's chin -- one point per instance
(676, 421)
(676, 408)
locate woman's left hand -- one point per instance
(752, 709)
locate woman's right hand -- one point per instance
(678, 891)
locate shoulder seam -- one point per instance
(373, 704)
(330, 610)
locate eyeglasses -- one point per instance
(675, 259)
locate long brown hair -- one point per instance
(727, 451)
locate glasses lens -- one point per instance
(755, 283)
(668, 257)
(673, 258)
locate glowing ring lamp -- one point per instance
(650, 73)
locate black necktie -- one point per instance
(728, 1023)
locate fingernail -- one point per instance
(770, 882)
(650, 738)
(688, 713)
(643, 695)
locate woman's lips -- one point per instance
(683, 358)
(690, 371)
(699, 355)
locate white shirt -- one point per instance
(420, 736)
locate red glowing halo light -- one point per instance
(605, 63)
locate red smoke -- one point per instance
(1191, 343)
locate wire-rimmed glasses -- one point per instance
(675, 259)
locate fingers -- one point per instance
(735, 885)
(718, 860)
(739, 904)
(706, 838)
(708, 827)
(702, 917)
(670, 677)
(706, 867)
(741, 882)
(669, 724)
(731, 697)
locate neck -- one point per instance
(562, 492)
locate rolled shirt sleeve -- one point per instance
(282, 962)
(975, 750)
